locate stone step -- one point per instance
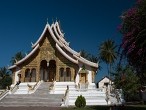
(90, 103)
(41, 97)
(88, 98)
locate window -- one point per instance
(33, 72)
(68, 72)
(61, 72)
(27, 72)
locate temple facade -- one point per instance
(52, 59)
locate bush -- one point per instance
(80, 102)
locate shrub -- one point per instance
(80, 102)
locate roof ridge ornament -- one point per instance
(32, 44)
(16, 61)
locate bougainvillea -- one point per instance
(133, 29)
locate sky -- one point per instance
(86, 24)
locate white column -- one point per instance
(89, 76)
(16, 77)
(77, 78)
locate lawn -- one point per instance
(127, 107)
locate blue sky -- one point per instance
(86, 24)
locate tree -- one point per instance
(133, 29)
(85, 54)
(18, 56)
(127, 80)
(5, 80)
(94, 59)
(107, 53)
(89, 56)
(3, 72)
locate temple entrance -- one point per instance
(43, 70)
(48, 70)
(83, 77)
(52, 70)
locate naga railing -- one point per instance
(3, 94)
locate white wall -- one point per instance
(16, 76)
(89, 75)
(78, 76)
(105, 80)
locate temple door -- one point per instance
(52, 70)
(51, 76)
(83, 77)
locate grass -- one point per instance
(87, 108)
(127, 107)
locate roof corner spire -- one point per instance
(53, 20)
(47, 21)
(56, 19)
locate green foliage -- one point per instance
(93, 59)
(80, 102)
(18, 56)
(5, 78)
(88, 56)
(6, 82)
(107, 51)
(133, 30)
(85, 54)
(126, 79)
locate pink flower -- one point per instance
(139, 52)
(119, 27)
(129, 50)
(139, 1)
(131, 12)
(128, 34)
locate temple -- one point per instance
(52, 59)
(54, 74)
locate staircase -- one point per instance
(93, 97)
(60, 87)
(41, 97)
(23, 88)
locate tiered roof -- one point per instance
(61, 44)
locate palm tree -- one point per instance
(18, 56)
(107, 53)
